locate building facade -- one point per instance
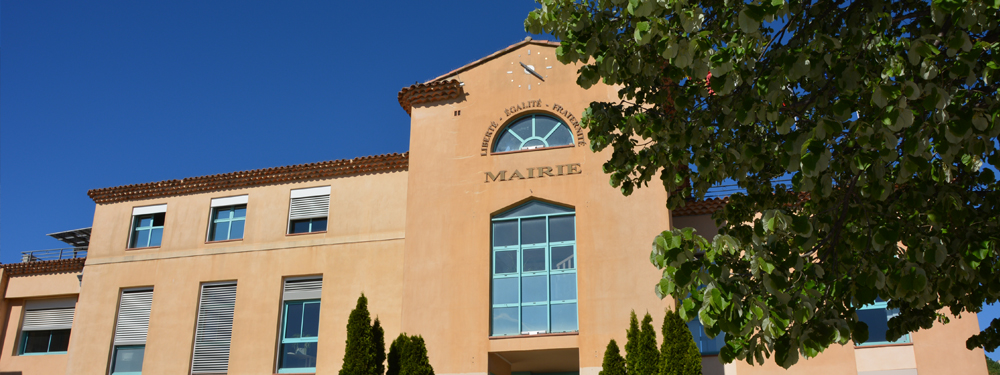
(496, 238)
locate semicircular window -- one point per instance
(533, 131)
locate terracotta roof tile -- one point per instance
(238, 180)
(702, 207)
(439, 88)
(46, 266)
(429, 92)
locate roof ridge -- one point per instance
(494, 55)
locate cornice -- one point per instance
(434, 91)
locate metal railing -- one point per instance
(53, 254)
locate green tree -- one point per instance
(359, 354)
(413, 359)
(992, 367)
(613, 363)
(679, 354)
(378, 338)
(632, 343)
(649, 356)
(882, 114)
(395, 354)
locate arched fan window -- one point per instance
(533, 131)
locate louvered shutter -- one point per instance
(215, 329)
(44, 319)
(309, 203)
(299, 289)
(133, 317)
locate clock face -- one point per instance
(529, 69)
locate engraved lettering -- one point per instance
(517, 174)
(574, 168)
(501, 176)
(560, 167)
(531, 172)
(542, 171)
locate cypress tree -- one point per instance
(632, 344)
(649, 356)
(613, 364)
(378, 336)
(359, 355)
(395, 354)
(679, 354)
(414, 358)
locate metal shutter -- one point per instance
(299, 289)
(309, 207)
(48, 319)
(215, 329)
(133, 317)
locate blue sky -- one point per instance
(101, 94)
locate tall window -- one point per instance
(130, 331)
(299, 325)
(228, 216)
(46, 326)
(214, 330)
(147, 226)
(706, 345)
(877, 316)
(533, 131)
(534, 270)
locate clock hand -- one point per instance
(532, 71)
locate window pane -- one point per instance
(534, 143)
(534, 318)
(128, 359)
(564, 318)
(36, 341)
(544, 125)
(310, 320)
(522, 128)
(236, 230)
(505, 233)
(563, 287)
(533, 230)
(878, 323)
(220, 231)
(506, 261)
(140, 238)
(158, 219)
(505, 290)
(60, 341)
(562, 136)
(319, 225)
(507, 142)
(561, 229)
(562, 258)
(299, 355)
(534, 260)
(533, 208)
(222, 213)
(505, 321)
(300, 226)
(155, 236)
(241, 211)
(534, 288)
(145, 221)
(293, 320)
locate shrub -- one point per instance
(613, 364)
(679, 354)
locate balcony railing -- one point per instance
(53, 254)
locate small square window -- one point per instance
(308, 225)
(147, 230)
(877, 316)
(127, 360)
(227, 223)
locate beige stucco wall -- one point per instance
(447, 284)
(20, 289)
(362, 251)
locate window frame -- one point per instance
(114, 355)
(507, 129)
(520, 274)
(24, 343)
(306, 194)
(298, 295)
(884, 306)
(212, 220)
(146, 211)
